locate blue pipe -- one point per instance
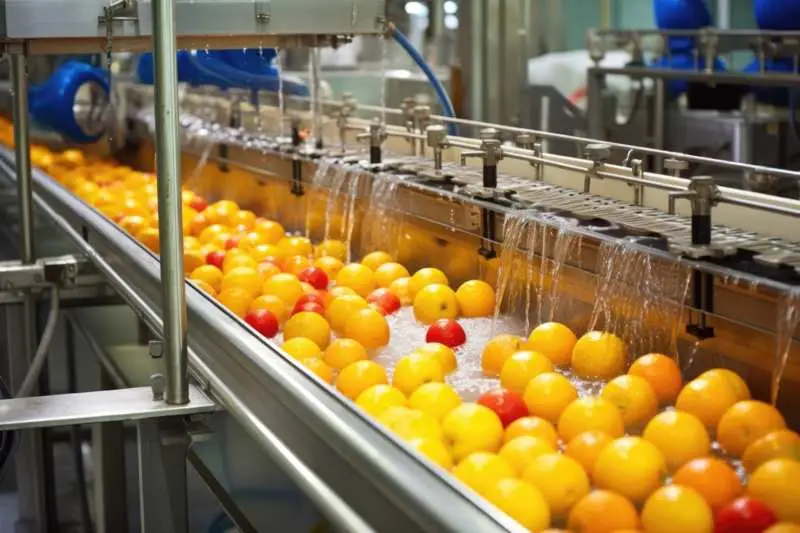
(213, 66)
(441, 93)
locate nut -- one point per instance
(436, 135)
(598, 152)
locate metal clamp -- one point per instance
(675, 167)
(598, 154)
(527, 141)
(376, 135)
(437, 141)
(61, 271)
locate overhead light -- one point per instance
(416, 9)
(450, 7)
(451, 22)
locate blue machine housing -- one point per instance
(684, 61)
(777, 15)
(681, 15)
(51, 103)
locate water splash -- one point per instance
(639, 298)
(382, 226)
(788, 321)
(281, 104)
(316, 191)
(384, 69)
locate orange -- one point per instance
(263, 252)
(197, 224)
(561, 480)
(212, 232)
(599, 355)
(602, 511)
(289, 246)
(284, 286)
(242, 218)
(358, 277)
(267, 270)
(521, 501)
(251, 240)
(744, 423)
(496, 352)
(387, 273)
(783, 527)
(273, 304)
(734, 380)
(777, 444)
(236, 299)
(634, 398)
(707, 399)
(532, 426)
(375, 259)
(446, 356)
(191, 243)
(424, 277)
(521, 367)
(416, 369)
(409, 424)
(556, 341)
(319, 368)
(336, 249)
(369, 327)
(271, 231)
(480, 470)
(342, 352)
(209, 274)
(205, 287)
(335, 292)
(475, 299)
(712, 478)
(434, 450)
(662, 373)
(679, 436)
(675, 508)
(295, 264)
(471, 427)
(400, 288)
(435, 398)
(133, 224)
(548, 394)
(149, 238)
(378, 398)
(192, 260)
(310, 325)
(775, 484)
(357, 377)
(590, 413)
(522, 451)
(342, 308)
(234, 259)
(330, 265)
(586, 446)
(301, 348)
(244, 278)
(434, 302)
(630, 466)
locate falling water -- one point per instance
(567, 247)
(382, 225)
(384, 68)
(788, 321)
(335, 189)
(281, 110)
(639, 298)
(320, 182)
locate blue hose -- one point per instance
(441, 93)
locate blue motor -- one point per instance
(72, 102)
(681, 15)
(777, 15)
(684, 61)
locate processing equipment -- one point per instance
(615, 237)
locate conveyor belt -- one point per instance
(358, 475)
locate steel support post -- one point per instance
(162, 448)
(594, 103)
(168, 151)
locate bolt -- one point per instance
(437, 135)
(155, 349)
(488, 133)
(157, 385)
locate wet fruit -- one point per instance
(633, 397)
(387, 273)
(378, 398)
(284, 286)
(599, 355)
(435, 302)
(677, 509)
(712, 478)
(662, 373)
(532, 426)
(301, 348)
(319, 368)
(497, 351)
(707, 399)
(424, 277)
(521, 452)
(245, 278)
(209, 274)
(436, 399)
(316, 277)
(310, 325)
(330, 265)
(586, 446)
(263, 321)
(434, 450)
(475, 298)
(561, 480)
(409, 424)
(479, 470)
(369, 327)
(602, 511)
(521, 367)
(357, 277)
(271, 303)
(744, 515)
(630, 466)
(236, 300)
(508, 405)
(373, 260)
(520, 501)
(385, 299)
(343, 352)
(775, 445)
(357, 377)
(415, 370)
(679, 436)
(471, 427)
(548, 394)
(446, 356)
(776, 484)
(744, 423)
(341, 308)
(590, 413)
(783, 527)
(447, 332)
(733, 379)
(555, 341)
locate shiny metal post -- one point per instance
(19, 88)
(168, 151)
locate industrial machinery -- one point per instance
(615, 238)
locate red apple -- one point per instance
(446, 331)
(508, 405)
(263, 321)
(385, 299)
(312, 307)
(316, 277)
(215, 258)
(744, 515)
(198, 203)
(231, 242)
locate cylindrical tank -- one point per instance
(778, 15)
(681, 15)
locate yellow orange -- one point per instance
(677, 508)
(446, 356)
(236, 299)
(548, 394)
(236, 259)
(330, 265)
(554, 340)
(369, 327)
(332, 248)
(273, 304)
(409, 424)
(150, 239)
(310, 325)
(387, 273)
(775, 484)
(602, 511)
(378, 398)
(707, 399)
(342, 352)
(400, 288)
(475, 298)
(301, 348)
(744, 423)
(733, 379)
(424, 277)
(373, 260)
(532, 426)
(590, 413)
(263, 252)
(586, 446)
(521, 452)
(521, 367)
(192, 260)
(133, 224)
(357, 377)
(208, 274)
(497, 351)
(471, 427)
(290, 246)
(521, 501)
(599, 355)
(561, 480)
(357, 277)
(479, 470)
(416, 369)
(342, 308)
(319, 368)
(434, 302)
(779, 444)
(712, 478)
(662, 373)
(271, 231)
(434, 450)
(783, 527)
(630, 466)
(246, 278)
(435, 398)
(633, 397)
(205, 287)
(680, 437)
(284, 286)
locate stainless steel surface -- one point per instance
(19, 90)
(170, 224)
(162, 446)
(732, 78)
(94, 407)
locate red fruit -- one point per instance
(231, 242)
(385, 299)
(508, 405)
(744, 515)
(446, 331)
(311, 297)
(198, 203)
(263, 321)
(316, 277)
(312, 307)
(215, 258)
(378, 308)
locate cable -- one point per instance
(44, 347)
(441, 92)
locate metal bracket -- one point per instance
(61, 271)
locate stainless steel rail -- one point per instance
(357, 474)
